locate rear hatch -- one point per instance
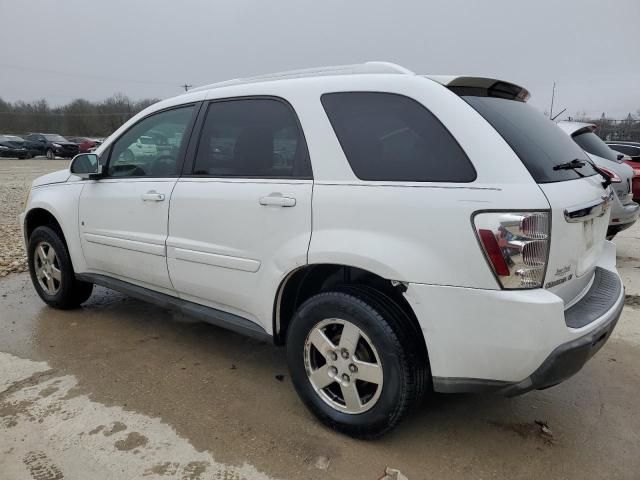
(605, 157)
(579, 204)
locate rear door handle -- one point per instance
(153, 196)
(276, 199)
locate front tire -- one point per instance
(50, 154)
(52, 272)
(351, 362)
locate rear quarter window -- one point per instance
(390, 137)
(539, 143)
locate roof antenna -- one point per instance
(186, 87)
(563, 110)
(553, 97)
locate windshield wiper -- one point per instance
(572, 165)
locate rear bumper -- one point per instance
(569, 358)
(511, 342)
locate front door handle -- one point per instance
(276, 199)
(153, 196)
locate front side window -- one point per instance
(257, 137)
(149, 149)
(390, 137)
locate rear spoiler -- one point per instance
(482, 87)
(585, 129)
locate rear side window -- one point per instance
(252, 138)
(591, 143)
(391, 137)
(538, 142)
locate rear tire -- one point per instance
(382, 336)
(52, 272)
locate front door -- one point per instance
(123, 216)
(240, 218)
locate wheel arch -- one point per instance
(41, 217)
(304, 282)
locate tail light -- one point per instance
(612, 175)
(516, 245)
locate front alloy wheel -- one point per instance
(52, 272)
(47, 268)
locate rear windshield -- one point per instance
(54, 137)
(539, 142)
(591, 143)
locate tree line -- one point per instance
(79, 117)
(82, 117)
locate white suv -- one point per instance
(400, 234)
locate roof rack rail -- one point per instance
(357, 68)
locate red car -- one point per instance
(631, 150)
(85, 144)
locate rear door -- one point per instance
(240, 215)
(124, 216)
(579, 202)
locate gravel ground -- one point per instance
(15, 178)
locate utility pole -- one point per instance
(553, 94)
(186, 87)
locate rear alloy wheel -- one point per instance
(353, 362)
(52, 272)
(343, 366)
(50, 154)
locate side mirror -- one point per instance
(87, 166)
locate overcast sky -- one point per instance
(60, 50)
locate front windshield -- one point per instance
(591, 143)
(52, 137)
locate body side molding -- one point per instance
(210, 315)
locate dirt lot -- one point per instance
(120, 389)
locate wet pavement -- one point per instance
(120, 389)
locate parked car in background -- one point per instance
(85, 144)
(624, 211)
(487, 272)
(632, 150)
(12, 146)
(51, 145)
(143, 148)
